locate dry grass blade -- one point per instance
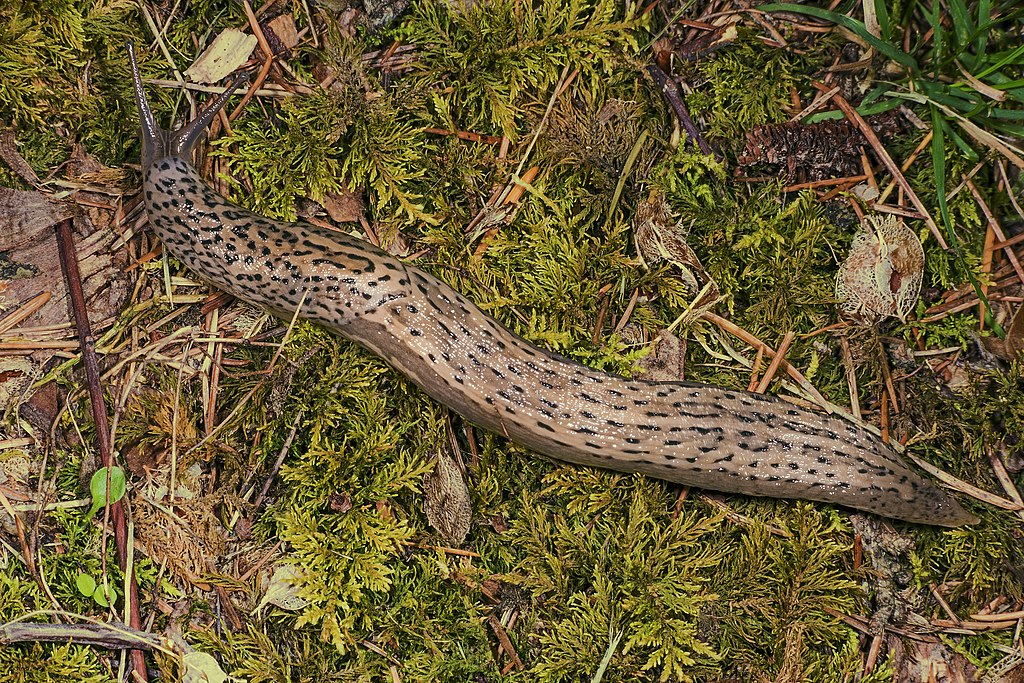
(894, 169)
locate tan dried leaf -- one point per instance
(882, 274)
(283, 590)
(200, 667)
(446, 500)
(659, 237)
(667, 360)
(228, 51)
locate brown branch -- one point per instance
(110, 636)
(671, 92)
(504, 641)
(73, 279)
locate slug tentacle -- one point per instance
(157, 142)
(689, 433)
(154, 138)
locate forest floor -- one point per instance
(807, 201)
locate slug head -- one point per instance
(158, 143)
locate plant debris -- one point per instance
(830, 149)
(882, 274)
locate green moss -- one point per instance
(492, 61)
(746, 86)
(42, 664)
(325, 142)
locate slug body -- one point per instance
(693, 434)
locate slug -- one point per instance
(693, 434)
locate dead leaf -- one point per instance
(659, 237)
(283, 590)
(446, 500)
(199, 667)
(16, 377)
(227, 52)
(918, 661)
(667, 360)
(345, 207)
(280, 32)
(882, 274)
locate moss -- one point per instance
(746, 86)
(494, 60)
(580, 564)
(42, 664)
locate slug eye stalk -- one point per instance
(158, 143)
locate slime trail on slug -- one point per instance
(694, 434)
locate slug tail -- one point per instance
(154, 138)
(185, 139)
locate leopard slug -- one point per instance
(693, 434)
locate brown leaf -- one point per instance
(667, 360)
(660, 237)
(347, 207)
(446, 500)
(916, 661)
(340, 501)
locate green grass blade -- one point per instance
(963, 25)
(962, 144)
(936, 22)
(854, 25)
(939, 125)
(884, 23)
(1013, 130)
(939, 167)
(984, 20)
(1011, 56)
(864, 110)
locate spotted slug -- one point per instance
(694, 434)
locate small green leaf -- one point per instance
(100, 599)
(98, 488)
(86, 584)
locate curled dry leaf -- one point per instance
(446, 500)
(667, 360)
(659, 237)
(346, 206)
(882, 274)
